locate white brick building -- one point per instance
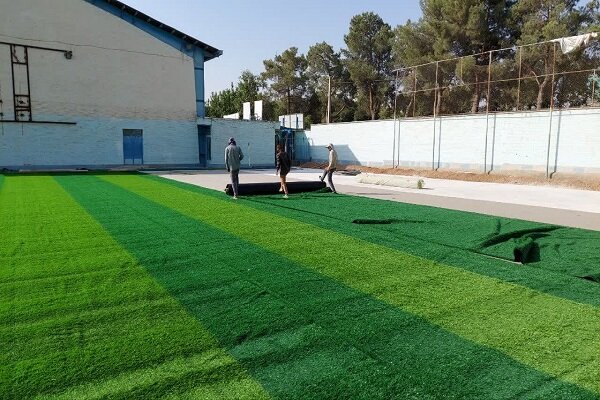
(95, 83)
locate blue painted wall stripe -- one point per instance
(199, 78)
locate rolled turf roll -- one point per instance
(392, 180)
(253, 189)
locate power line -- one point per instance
(92, 46)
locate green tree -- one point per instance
(591, 13)
(413, 45)
(368, 58)
(544, 20)
(222, 103)
(286, 79)
(328, 77)
(449, 29)
(249, 88)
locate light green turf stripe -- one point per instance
(169, 371)
(80, 318)
(551, 334)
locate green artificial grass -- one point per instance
(129, 286)
(292, 327)
(77, 309)
(569, 251)
(513, 319)
(417, 229)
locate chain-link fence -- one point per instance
(533, 77)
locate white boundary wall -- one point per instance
(515, 141)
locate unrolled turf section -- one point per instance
(80, 318)
(129, 286)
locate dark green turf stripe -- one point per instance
(76, 309)
(542, 331)
(419, 230)
(301, 334)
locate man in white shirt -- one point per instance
(331, 167)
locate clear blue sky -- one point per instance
(249, 32)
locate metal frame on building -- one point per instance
(22, 101)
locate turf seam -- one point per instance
(320, 323)
(64, 275)
(22, 323)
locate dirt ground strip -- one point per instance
(586, 182)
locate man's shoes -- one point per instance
(280, 190)
(235, 197)
(285, 196)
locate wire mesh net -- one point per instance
(526, 78)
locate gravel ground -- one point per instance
(585, 182)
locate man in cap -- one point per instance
(331, 167)
(233, 156)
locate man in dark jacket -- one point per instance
(284, 165)
(233, 158)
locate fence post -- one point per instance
(328, 98)
(593, 88)
(487, 112)
(437, 64)
(520, 49)
(395, 107)
(551, 111)
(415, 92)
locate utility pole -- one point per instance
(328, 98)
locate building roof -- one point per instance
(210, 52)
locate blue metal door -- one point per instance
(133, 147)
(204, 145)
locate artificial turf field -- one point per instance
(133, 286)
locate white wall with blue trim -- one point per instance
(562, 141)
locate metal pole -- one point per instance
(593, 88)
(398, 142)
(437, 64)
(551, 112)
(415, 93)
(13, 56)
(487, 112)
(395, 105)
(328, 98)
(519, 81)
